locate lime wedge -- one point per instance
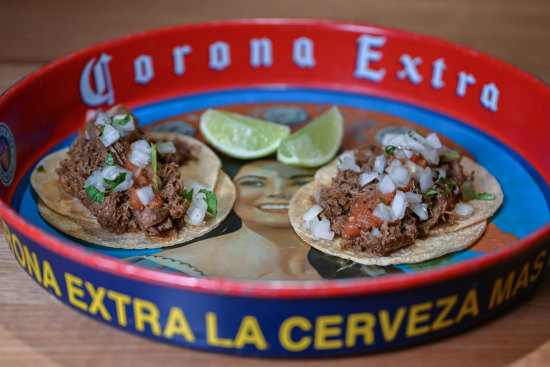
(241, 136)
(316, 143)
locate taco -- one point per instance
(119, 186)
(407, 200)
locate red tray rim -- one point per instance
(272, 289)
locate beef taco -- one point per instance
(407, 200)
(119, 186)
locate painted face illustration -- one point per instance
(264, 189)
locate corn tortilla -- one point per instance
(93, 233)
(442, 239)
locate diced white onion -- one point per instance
(441, 172)
(398, 173)
(365, 178)
(102, 119)
(320, 229)
(90, 114)
(126, 184)
(166, 147)
(112, 172)
(399, 205)
(312, 212)
(145, 194)
(413, 169)
(404, 141)
(347, 161)
(196, 212)
(318, 195)
(129, 126)
(385, 185)
(463, 210)
(380, 164)
(196, 188)
(420, 209)
(426, 180)
(383, 212)
(141, 153)
(376, 232)
(109, 135)
(95, 180)
(416, 136)
(387, 138)
(413, 198)
(433, 141)
(431, 155)
(403, 154)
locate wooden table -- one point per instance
(37, 330)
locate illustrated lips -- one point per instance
(273, 207)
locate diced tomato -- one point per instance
(134, 200)
(361, 217)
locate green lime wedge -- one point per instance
(316, 143)
(241, 136)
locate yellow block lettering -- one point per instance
(48, 278)
(17, 249)
(250, 333)
(500, 293)
(177, 324)
(32, 264)
(389, 328)
(325, 327)
(285, 332)
(360, 324)
(538, 266)
(441, 320)
(121, 301)
(523, 279)
(212, 332)
(146, 312)
(470, 306)
(74, 292)
(97, 301)
(418, 315)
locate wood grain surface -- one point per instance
(37, 330)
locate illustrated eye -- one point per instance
(300, 182)
(252, 183)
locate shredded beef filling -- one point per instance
(345, 193)
(117, 213)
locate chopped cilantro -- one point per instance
(485, 196)
(432, 192)
(445, 181)
(110, 160)
(95, 194)
(154, 163)
(451, 155)
(117, 181)
(211, 201)
(40, 168)
(468, 193)
(390, 149)
(188, 195)
(123, 121)
(447, 191)
(383, 201)
(418, 132)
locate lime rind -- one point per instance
(316, 143)
(241, 136)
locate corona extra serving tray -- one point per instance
(251, 286)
